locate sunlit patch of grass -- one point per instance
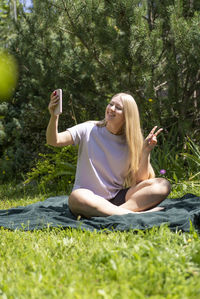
(76, 264)
(57, 263)
(184, 187)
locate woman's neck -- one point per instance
(114, 130)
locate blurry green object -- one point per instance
(8, 75)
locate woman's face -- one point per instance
(114, 114)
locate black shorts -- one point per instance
(119, 199)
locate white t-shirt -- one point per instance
(103, 159)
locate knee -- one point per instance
(79, 201)
(163, 186)
(74, 200)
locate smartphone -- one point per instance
(58, 108)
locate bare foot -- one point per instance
(156, 209)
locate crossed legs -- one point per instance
(140, 198)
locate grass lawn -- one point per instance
(56, 263)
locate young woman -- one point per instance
(114, 175)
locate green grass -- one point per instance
(56, 263)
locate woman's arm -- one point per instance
(52, 136)
(144, 165)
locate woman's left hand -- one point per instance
(151, 140)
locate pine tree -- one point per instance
(93, 49)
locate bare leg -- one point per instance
(85, 202)
(147, 195)
(141, 198)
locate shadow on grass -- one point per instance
(14, 191)
(17, 192)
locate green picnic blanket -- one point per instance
(178, 214)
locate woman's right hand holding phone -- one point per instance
(54, 99)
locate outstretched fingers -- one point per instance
(158, 132)
(153, 133)
(151, 139)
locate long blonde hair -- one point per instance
(134, 136)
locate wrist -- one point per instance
(54, 117)
(146, 151)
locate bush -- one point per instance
(55, 170)
(92, 50)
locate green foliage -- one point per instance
(167, 156)
(194, 156)
(55, 170)
(19, 145)
(180, 161)
(93, 49)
